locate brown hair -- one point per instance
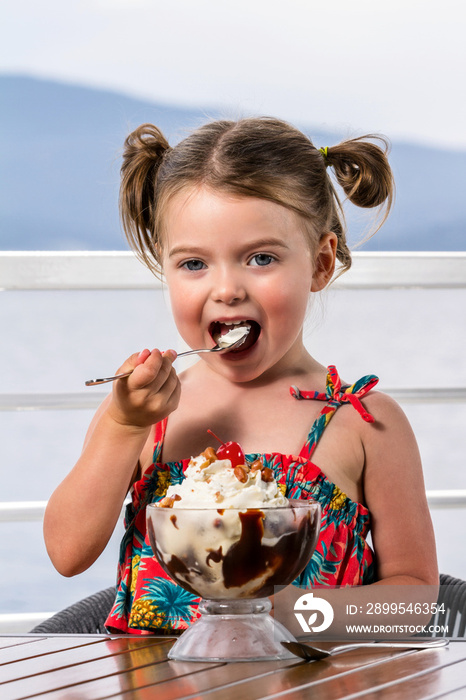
(253, 157)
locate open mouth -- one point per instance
(218, 329)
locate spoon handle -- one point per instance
(440, 642)
(104, 380)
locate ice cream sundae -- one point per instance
(227, 533)
(227, 530)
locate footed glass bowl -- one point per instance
(233, 558)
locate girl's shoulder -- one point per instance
(384, 428)
(384, 418)
(384, 407)
(390, 437)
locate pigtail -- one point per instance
(362, 170)
(143, 154)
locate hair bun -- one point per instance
(362, 170)
(147, 141)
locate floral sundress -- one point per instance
(148, 601)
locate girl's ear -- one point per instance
(324, 261)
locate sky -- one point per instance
(390, 66)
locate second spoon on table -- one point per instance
(310, 653)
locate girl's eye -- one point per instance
(261, 259)
(193, 265)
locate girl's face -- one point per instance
(236, 260)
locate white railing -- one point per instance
(121, 270)
(28, 511)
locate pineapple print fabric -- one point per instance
(148, 601)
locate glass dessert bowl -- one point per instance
(233, 558)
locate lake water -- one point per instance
(53, 341)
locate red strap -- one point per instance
(159, 435)
(337, 397)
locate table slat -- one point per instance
(58, 669)
(429, 684)
(38, 647)
(358, 679)
(137, 668)
(252, 681)
(342, 676)
(6, 642)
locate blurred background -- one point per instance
(76, 77)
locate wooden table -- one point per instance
(84, 667)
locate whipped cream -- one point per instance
(217, 485)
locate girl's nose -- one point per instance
(228, 287)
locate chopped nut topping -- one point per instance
(267, 474)
(256, 465)
(241, 473)
(210, 454)
(167, 501)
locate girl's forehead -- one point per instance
(201, 206)
(194, 197)
(216, 224)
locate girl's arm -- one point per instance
(83, 511)
(394, 490)
(402, 531)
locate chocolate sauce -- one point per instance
(215, 555)
(249, 558)
(176, 566)
(178, 570)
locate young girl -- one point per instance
(245, 223)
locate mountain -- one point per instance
(60, 147)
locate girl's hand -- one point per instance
(149, 394)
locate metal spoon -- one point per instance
(222, 346)
(309, 653)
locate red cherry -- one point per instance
(230, 450)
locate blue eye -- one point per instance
(261, 260)
(193, 265)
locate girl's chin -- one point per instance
(252, 367)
